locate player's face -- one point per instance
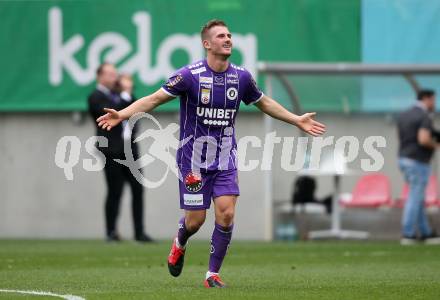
(109, 76)
(219, 41)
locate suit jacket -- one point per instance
(97, 101)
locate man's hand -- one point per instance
(307, 124)
(145, 104)
(109, 120)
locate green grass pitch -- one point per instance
(252, 270)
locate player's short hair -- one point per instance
(209, 25)
(425, 93)
(101, 68)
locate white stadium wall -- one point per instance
(36, 200)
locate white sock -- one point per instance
(209, 274)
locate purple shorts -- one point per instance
(198, 189)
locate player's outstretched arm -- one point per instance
(304, 122)
(145, 104)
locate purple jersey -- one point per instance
(209, 103)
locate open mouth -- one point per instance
(227, 46)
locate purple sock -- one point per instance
(221, 237)
(183, 234)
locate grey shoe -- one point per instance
(432, 239)
(408, 241)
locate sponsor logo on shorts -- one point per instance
(193, 199)
(232, 93)
(193, 182)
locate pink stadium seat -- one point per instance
(371, 191)
(431, 194)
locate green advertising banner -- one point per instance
(49, 50)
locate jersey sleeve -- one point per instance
(252, 94)
(178, 84)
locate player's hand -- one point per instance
(109, 120)
(310, 126)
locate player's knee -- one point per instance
(227, 216)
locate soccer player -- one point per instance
(210, 93)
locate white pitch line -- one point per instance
(41, 293)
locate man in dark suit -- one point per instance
(110, 92)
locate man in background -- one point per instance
(416, 147)
(115, 92)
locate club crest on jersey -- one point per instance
(193, 182)
(206, 96)
(232, 93)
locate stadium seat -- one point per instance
(432, 198)
(371, 191)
